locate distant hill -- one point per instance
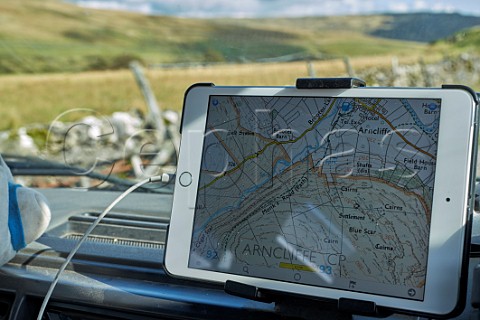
(423, 27)
(54, 36)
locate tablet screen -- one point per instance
(329, 192)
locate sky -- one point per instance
(282, 8)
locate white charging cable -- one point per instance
(163, 178)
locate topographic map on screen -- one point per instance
(331, 192)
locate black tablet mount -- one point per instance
(298, 306)
(301, 306)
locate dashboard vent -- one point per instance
(121, 229)
(122, 242)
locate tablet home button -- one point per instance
(185, 179)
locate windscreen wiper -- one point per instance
(34, 166)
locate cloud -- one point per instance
(136, 6)
(420, 5)
(443, 7)
(285, 8)
(449, 6)
(399, 7)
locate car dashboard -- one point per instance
(118, 272)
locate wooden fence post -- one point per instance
(310, 69)
(154, 116)
(348, 66)
(155, 119)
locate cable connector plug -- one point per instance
(164, 177)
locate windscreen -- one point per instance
(320, 191)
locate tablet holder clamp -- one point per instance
(329, 83)
(291, 305)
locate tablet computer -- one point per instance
(359, 193)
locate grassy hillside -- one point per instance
(50, 36)
(54, 39)
(468, 39)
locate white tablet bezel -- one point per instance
(449, 217)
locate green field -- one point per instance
(41, 98)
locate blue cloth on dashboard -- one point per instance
(14, 219)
